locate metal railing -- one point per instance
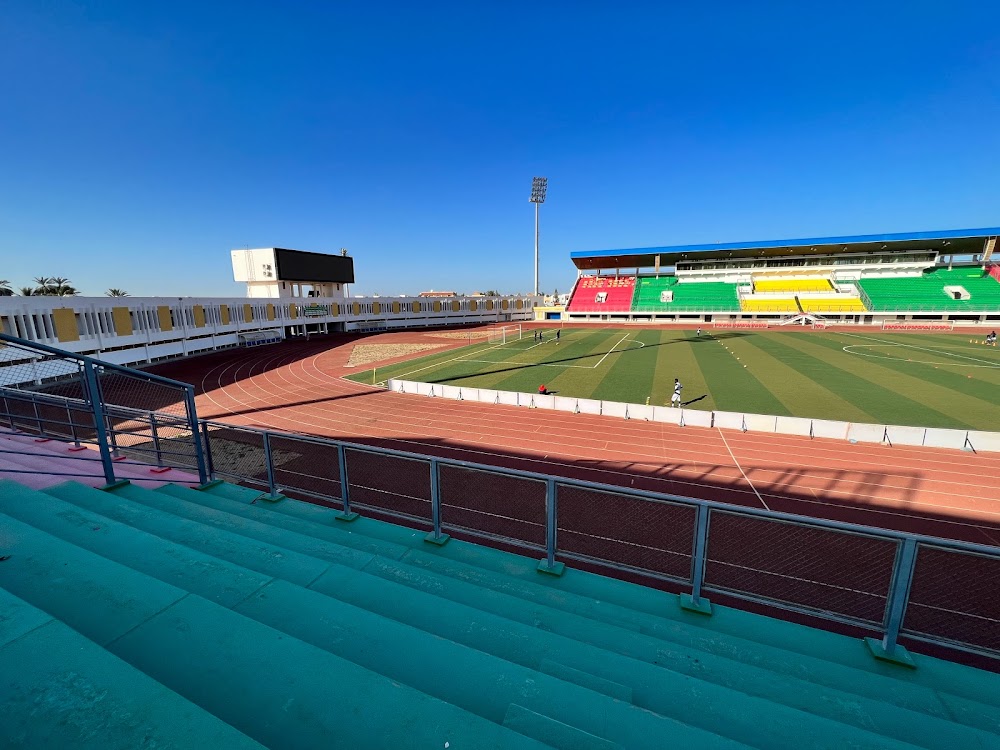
(126, 414)
(889, 583)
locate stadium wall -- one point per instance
(135, 330)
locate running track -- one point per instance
(297, 387)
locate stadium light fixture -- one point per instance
(539, 187)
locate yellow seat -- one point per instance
(769, 305)
(792, 285)
(846, 305)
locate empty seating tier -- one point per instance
(971, 289)
(770, 305)
(792, 285)
(842, 305)
(603, 294)
(208, 618)
(687, 297)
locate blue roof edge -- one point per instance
(801, 242)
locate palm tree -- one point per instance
(5, 290)
(57, 286)
(29, 291)
(112, 292)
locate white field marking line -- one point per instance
(551, 364)
(438, 364)
(726, 443)
(920, 348)
(609, 351)
(526, 364)
(850, 350)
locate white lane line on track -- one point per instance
(312, 361)
(726, 443)
(303, 364)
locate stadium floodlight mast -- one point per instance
(539, 186)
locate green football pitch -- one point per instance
(939, 380)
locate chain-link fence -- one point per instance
(126, 414)
(396, 485)
(626, 531)
(954, 598)
(307, 467)
(794, 564)
(490, 504)
(236, 454)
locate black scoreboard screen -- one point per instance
(299, 265)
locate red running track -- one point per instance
(298, 387)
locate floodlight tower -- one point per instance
(539, 186)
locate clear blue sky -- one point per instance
(141, 141)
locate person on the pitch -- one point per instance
(675, 400)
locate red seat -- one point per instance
(618, 293)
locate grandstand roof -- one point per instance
(957, 241)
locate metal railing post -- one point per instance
(156, 439)
(72, 428)
(694, 602)
(345, 486)
(38, 420)
(199, 451)
(269, 466)
(888, 649)
(209, 463)
(436, 537)
(97, 409)
(112, 438)
(9, 413)
(548, 563)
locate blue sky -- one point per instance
(140, 142)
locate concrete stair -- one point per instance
(292, 629)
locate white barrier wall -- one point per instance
(932, 437)
(139, 330)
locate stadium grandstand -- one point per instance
(922, 277)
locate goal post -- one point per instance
(504, 334)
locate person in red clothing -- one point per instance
(542, 390)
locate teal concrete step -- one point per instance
(486, 685)
(273, 687)
(820, 656)
(411, 607)
(669, 637)
(802, 695)
(626, 605)
(382, 645)
(657, 613)
(60, 690)
(731, 633)
(517, 577)
(211, 577)
(271, 560)
(552, 732)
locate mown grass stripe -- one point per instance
(580, 348)
(734, 387)
(676, 359)
(424, 365)
(629, 375)
(872, 388)
(964, 401)
(787, 379)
